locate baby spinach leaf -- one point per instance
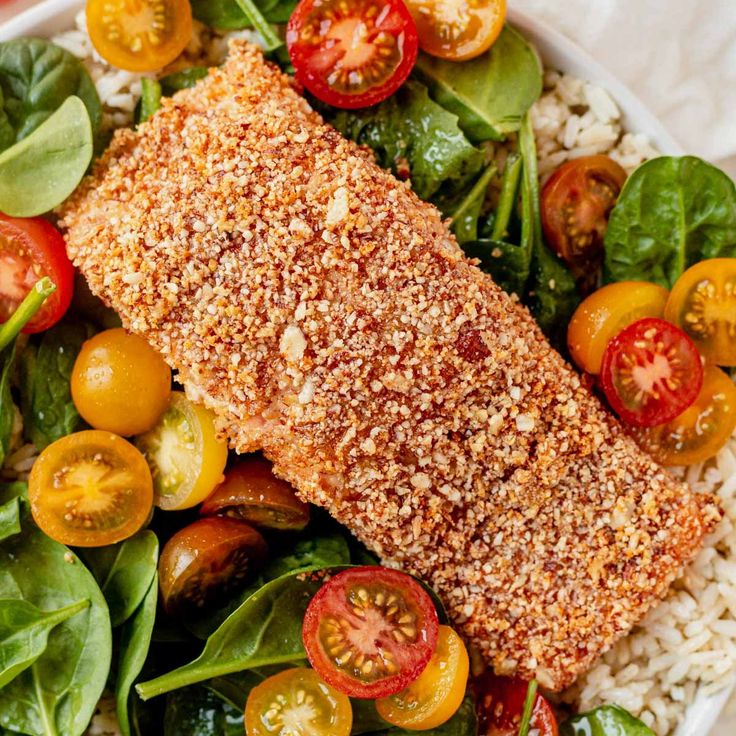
(9, 518)
(491, 93)
(608, 720)
(508, 263)
(7, 408)
(184, 79)
(124, 572)
(411, 130)
(196, 711)
(24, 633)
(46, 399)
(463, 723)
(227, 15)
(671, 213)
(234, 688)
(41, 171)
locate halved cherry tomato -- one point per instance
(651, 372)
(137, 35)
(352, 53)
(576, 202)
(296, 702)
(120, 383)
(460, 29)
(30, 249)
(703, 304)
(603, 314)
(206, 560)
(186, 456)
(370, 631)
(434, 697)
(701, 430)
(90, 489)
(500, 704)
(253, 493)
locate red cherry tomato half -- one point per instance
(352, 53)
(651, 372)
(30, 249)
(370, 631)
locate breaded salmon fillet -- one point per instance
(329, 318)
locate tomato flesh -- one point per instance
(651, 372)
(31, 248)
(352, 53)
(90, 489)
(297, 703)
(370, 631)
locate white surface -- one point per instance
(716, 118)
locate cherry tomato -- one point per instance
(139, 36)
(352, 53)
(253, 493)
(90, 489)
(30, 249)
(186, 456)
(651, 372)
(296, 702)
(500, 704)
(120, 383)
(207, 560)
(703, 303)
(576, 202)
(605, 313)
(701, 430)
(370, 631)
(458, 30)
(434, 697)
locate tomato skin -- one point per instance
(31, 248)
(651, 372)
(602, 315)
(332, 44)
(434, 697)
(392, 604)
(90, 489)
(207, 559)
(703, 304)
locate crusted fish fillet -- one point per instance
(329, 318)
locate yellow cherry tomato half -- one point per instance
(186, 457)
(139, 35)
(434, 697)
(120, 383)
(605, 313)
(457, 30)
(703, 304)
(701, 430)
(90, 489)
(298, 703)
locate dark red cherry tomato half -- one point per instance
(31, 248)
(352, 53)
(370, 631)
(651, 372)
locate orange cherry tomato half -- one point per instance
(31, 248)
(252, 492)
(701, 430)
(352, 53)
(500, 704)
(651, 372)
(296, 702)
(576, 203)
(90, 489)
(603, 314)
(703, 304)
(434, 697)
(458, 30)
(370, 631)
(206, 560)
(137, 35)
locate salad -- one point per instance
(140, 557)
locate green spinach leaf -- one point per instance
(185, 79)
(7, 407)
(9, 518)
(608, 720)
(671, 213)
(197, 711)
(227, 15)
(491, 93)
(234, 688)
(463, 723)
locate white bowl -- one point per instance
(51, 16)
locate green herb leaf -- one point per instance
(608, 720)
(9, 518)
